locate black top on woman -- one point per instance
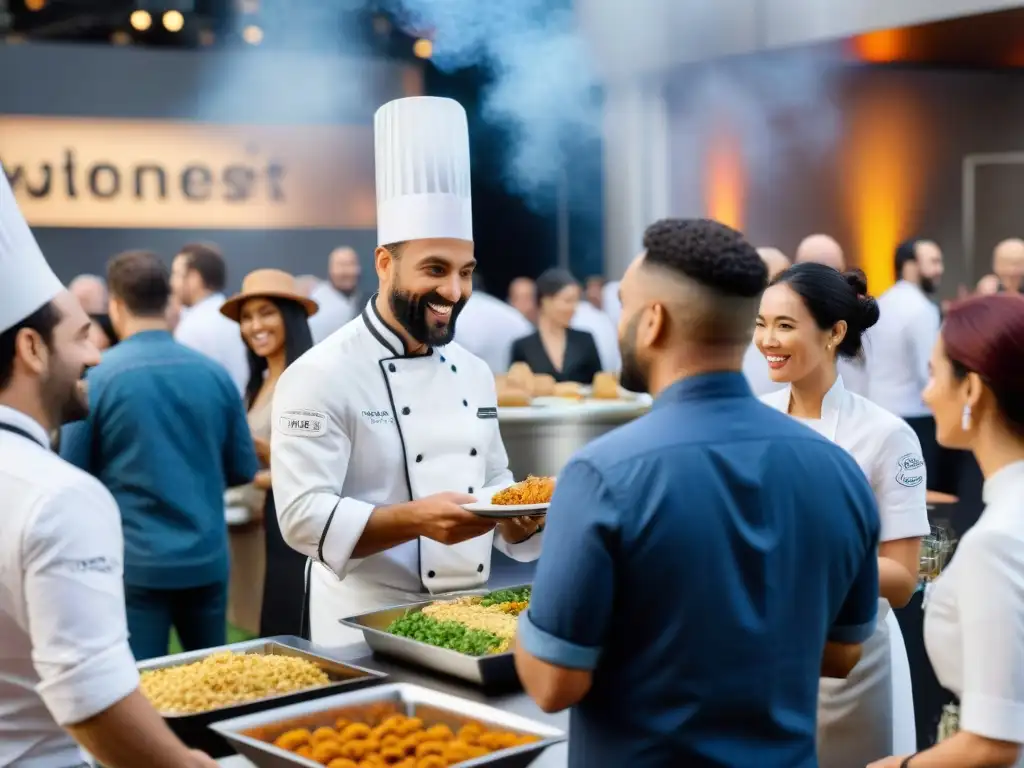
(557, 349)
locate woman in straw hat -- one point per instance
(273, 315)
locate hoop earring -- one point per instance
(965, 419)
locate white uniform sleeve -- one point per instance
(500, 476)
(309, 454)
(74, 592)
(990, 603)
(900, 483)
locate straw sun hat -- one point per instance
(267, 284)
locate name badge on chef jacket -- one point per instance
(487, 413)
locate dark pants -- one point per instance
(284, 586)
(199, 614)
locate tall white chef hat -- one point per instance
(26, 280)
(422, 158)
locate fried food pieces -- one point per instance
(396, 740)
(532, 490)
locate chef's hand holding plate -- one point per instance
(441, 518)
(516, 530)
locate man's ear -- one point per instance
(31, 350)
(383, 260)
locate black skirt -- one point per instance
(284, 585)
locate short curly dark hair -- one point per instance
(709, 252)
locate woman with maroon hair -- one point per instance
(974, 613)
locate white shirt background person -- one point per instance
(488, 327)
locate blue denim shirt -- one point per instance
(166, 434)
(695, 562)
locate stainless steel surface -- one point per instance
(339, 674)
(515, 702)
(494, 669)
(252, 735)
(540, 440)
(193, 729)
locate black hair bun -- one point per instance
(869, 312)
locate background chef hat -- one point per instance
(422, 160)
(26, 280)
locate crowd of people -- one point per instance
(715, 580)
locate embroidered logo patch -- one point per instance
(911, 470)
(487, 413)
(302, 423)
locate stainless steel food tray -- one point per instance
(494, 670)
(194, 730)
(252, 735)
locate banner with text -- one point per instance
(121, 174)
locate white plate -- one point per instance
(486, 509)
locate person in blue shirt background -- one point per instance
(166, 434)
(706, 563)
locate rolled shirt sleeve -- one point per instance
(990, 602)
(74, 594)
(858, 614)
(310, 449)
(574, 588)
(900, 484)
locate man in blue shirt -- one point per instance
(704, 564)
(166, 434)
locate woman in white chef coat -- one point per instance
(974, 611)
(810, 316)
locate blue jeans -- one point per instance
(198, 613)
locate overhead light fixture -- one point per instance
(252, 34)
(35, 5)
(173, 21)
(423, 48)
(141, 20)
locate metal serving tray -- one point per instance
(253, 735)
(491, 671)
(193, 729)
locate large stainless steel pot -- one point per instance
(540, 439)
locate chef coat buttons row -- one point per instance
(430, 574)
(472, 452)
(470, 489)
(405, 411)
(480, 568)
(392, 368)
(466, 403)
(419, 458)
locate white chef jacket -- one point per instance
(336, 309)
(206, 330)
(64, 654)
(487, 327)
(901, 345)
(357, 423)
(610, 301)
(606, 336)
(889, 453)
(974, 615)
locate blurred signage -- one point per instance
(98, 173)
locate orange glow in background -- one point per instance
(883, 179)
(725, 178)
(883, 46)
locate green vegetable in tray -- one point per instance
(517, 595)
(444, 634)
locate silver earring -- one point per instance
(965, 420)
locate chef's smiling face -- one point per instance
(262, 326)
(788, 337)
(427, 283)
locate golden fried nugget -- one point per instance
(392, 755)
(341, 724)
(305, 751)
(432, 761)
(356, 732)
(293, 739)
(342, 762)
(411, 726)
(427, 748)
(475, 750)
(324, 733)
(354, 750)
(439, 733)
(455, 752)
(390, 740)
(326, 751)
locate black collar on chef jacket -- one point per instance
(383, 333)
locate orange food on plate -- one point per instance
(405, 742)
(605, 387)
(532, 490)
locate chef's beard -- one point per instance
(64, 394)
(411, 313)
(634, 375)
(929, 285)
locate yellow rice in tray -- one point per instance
(496, 619)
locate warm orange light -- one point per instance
(884, 179)
(725, 178)
(423, 48)
(882, 47)
(35, 5)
